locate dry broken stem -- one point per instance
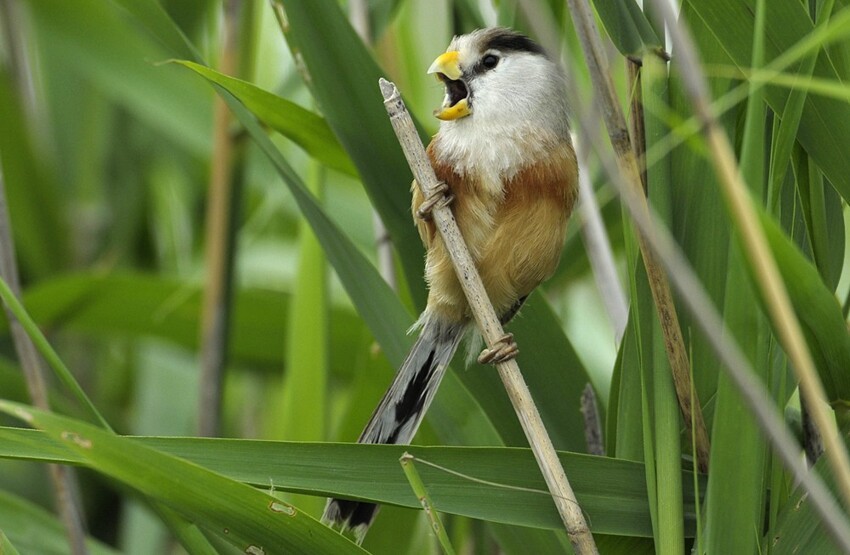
(488, 324)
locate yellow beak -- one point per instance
(448, 65)
(461, 109)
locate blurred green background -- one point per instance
(113, 155)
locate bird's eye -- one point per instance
(490, 61)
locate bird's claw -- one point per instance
(503, 350)
(437, 199)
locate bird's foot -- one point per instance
(437, 199)
(503, 350)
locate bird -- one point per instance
(505, 156)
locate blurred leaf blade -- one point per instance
(34, 199)
(159, 23)
(138, 304)
(303, 127)
(89, 36)
(32, 529)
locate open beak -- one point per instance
(456, 104)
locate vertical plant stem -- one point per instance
(615, 122)
(490, 327)
(755, 246)
(63, 478)
(418, 487)
(220, 239)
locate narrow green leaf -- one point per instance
(303, 127)
(736, 485)
(625, 432)
(624, 545)
(818, 311)
(243, 515)
(46, 350)
(612, 422)
(790, 118)
(666, 448)
(627, 27)
(611, 491)
(822, 213)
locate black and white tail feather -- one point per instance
(401, 410)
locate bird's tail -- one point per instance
(401, 410)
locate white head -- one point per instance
(500, 87)
(499, 73)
